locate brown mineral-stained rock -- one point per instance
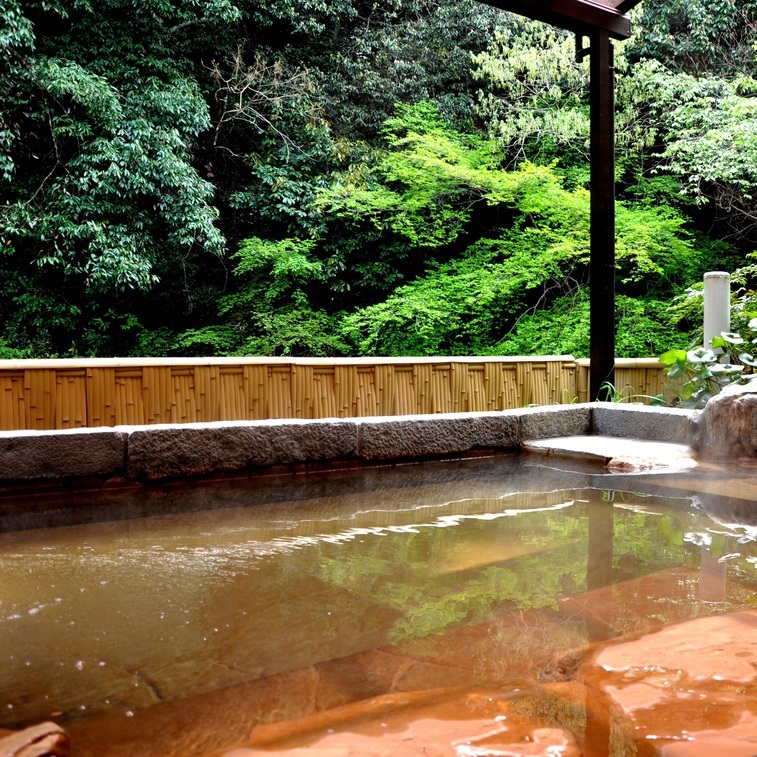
(489, 722)
(443, 723)
(370, 713)
(41, 740)
(308, 752)
(738, 741)
(562, 666)
(542, 742)
(374, 702)
(688, 689)
(199, 724)
(650, 597)
(721, 647)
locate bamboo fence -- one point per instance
(73, 393)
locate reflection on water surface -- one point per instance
(415, 585)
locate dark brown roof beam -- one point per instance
(624, 5)
(580, 16)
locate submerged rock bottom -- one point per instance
(41, 740)
(688, 689)
(487, 690)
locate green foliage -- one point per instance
(270, 313)
(425, 194)
(277, 266)
(642, 326)
(735, 347)
(696, 127)
(702, 130)
(704, 375)
(697, 36)
(403, 52)
(534, 99)
(426, 188)
(457, 306)
(16, 31)
(687, 306)
(120, 190)
(307, 17)
(101, 194)
(352, 155)
(423, 186)
(731, 357)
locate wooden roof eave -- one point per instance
(579, 16)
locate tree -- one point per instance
(703, 130)
(327, 176)
(100, 196)
(403, 52)
(534, 95)
(448, 252)
(697, 36)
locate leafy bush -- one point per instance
(642, 328)
(709, 370)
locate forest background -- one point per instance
(349, 177)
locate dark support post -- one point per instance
(602, 263)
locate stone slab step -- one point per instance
(617, 453)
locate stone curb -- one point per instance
(171, 451)
(153, 453)
(554, 420)
(73, 453)
(656, 424)
(427, 435)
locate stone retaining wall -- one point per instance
(159, 452)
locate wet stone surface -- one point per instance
(41, 740)
(689, 689)
(695, 694)
(671, 691)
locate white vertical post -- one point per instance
(717, 304)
